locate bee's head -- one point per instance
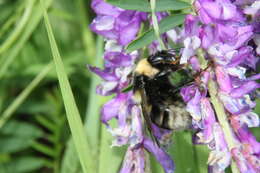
(164, 60)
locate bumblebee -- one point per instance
(158, 97)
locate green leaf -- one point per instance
(70, 164)
(49, 151)
(14, 144)
(20, 129)
(22, 165)
(201, 154)
(17, 136)
(183, 154)
(109, 155)
(148, 37)
(72, 112)
(143, 5)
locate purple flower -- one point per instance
(208, 118)
(243, 89)
(224, 32)
(134, 161)
(236, 105)
(216, 11)
(163, 158)
(219, 158)
(242, 162)
(227, 31)
(115, 23)
(244, 56)
(118, 66)
(223, 79)
(192, 41)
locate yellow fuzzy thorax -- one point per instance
(144, 68)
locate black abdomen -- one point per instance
(167, 108)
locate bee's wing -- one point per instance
(146, 112)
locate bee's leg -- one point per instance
(158, 115)
(139, 82)
(162, 116)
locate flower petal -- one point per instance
(246, 88)
(104, 74)
(134, 161)
(223, 79)
(161, 156)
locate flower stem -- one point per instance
(220, 111)
(155, 24)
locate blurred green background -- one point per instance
(34, 133)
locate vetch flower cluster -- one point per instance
(221, 44)
(219, 37)
(119, 27)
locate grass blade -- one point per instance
(92, 121)
(73, 116)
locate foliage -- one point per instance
(34, 132)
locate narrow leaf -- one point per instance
(20, 129)
(92, 121)
(73, 116)
(12, 144)
(17, 136)
(49, 151)
(143, 5)
(22, 165)
(148, 37)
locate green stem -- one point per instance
(8, 57)
(87, 35)
(92, 121)
(155, 24)
(12, 19)
(18, 29)
(220, 111)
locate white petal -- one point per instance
(172, 34)
(237, 71)
(111, 45)
(105, 23)
(195, 42)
